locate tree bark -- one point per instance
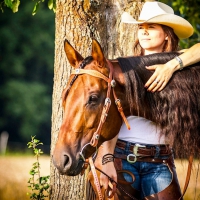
(78, 21)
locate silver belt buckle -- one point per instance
(135, 153)
(131, 161)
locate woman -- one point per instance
(158, 31)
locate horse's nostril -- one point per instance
(62, 162)
(66, 160)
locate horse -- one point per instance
(96, 85)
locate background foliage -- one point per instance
(26, 63)
(190, 11)
(26, 72)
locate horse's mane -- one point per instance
(176, 109)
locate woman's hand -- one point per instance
(110, 170)
(164, 72)
(160, 78)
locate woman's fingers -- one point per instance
(159, 78)
(153, 82)
(155, 85)
(104, 181)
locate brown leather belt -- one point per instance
(143, 159)
(148, 150)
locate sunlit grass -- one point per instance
(14, 174)
(193, 191)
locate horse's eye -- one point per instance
(93, 99)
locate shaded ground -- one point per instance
(14, 174)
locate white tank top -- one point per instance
(142, 131)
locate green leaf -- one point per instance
(54, 6)
(37, 186)
(15, 6)
(46, 187)
(40, 151)
(8, 3)
(35, 8)
(36, 141)
(50, 4)
(36, 163)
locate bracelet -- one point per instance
(107, 158)
(180, 62)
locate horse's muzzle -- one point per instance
(66, 165)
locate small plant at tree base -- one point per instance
(39, 185)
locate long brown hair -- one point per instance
(175, 110)
(170, 45)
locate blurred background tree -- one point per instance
(26, 72)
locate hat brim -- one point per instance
(182, 28)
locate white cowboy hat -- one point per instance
(160, 13)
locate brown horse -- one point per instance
(176, 109)
(83, 102)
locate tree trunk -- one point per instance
(78, 21)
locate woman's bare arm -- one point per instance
(108, 168)
(164, 72)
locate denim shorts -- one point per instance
(150, 178)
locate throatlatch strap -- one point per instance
(118, 102)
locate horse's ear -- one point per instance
(97, 53)
(72, 55)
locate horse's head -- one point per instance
(83, 102)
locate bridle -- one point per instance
(107, 103)
(111, 84)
